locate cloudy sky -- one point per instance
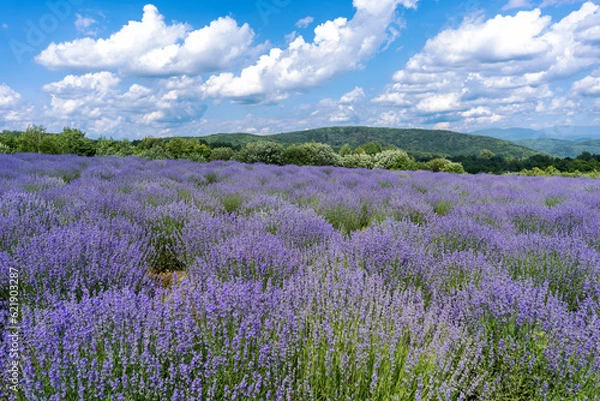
(264, 66)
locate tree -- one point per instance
(31, 140)
(357, 161)
(223, 153)
(4, 148)
(10, 140)
(444, 165)
(155, 153)
(393, 160)
(110, 146)
(312, 154)
(73, 141)
(486, 154)
(346, 150)
(261, 152)
(371, 148)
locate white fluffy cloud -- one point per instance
(97, 103)
(349, 108)
(487, 71)
(8, 97)
(89, 94)
(339, 45)
(588, 86)
(151, 47)
(355, 95)
(14, 112)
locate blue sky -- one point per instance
(167, 68)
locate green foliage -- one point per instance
(486, 154)
(106, 147)
(347, 219)
(357, 161)
(73, 141)
(187, 149)
(444, 165)
(345, 150)
(393, 160)
(232, 202)
(166, 236)
(452, 167)
(10, 140)
(371, 148)
(222, 153)
(32, 139)
(411, 140)
(311, 154)
(157, 152)
(262, 152)
(432, 150)
(561, 147)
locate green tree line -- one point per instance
(35, 139)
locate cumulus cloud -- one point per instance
(353, 96)
(588, 86)
(304, 22)
(97, 102)
(349, 108)
(8, 97)
(89, 94)
(486, 71)
(151, 47)
(14, 112)
(339, 45)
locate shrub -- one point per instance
(454, 168)
(155, 153)
(357, 161)
(393, 160)
(261, 152)
(312, 154)
(371, 148)
(444, 165)
(4, 148)
(222, 154)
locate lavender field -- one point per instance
(175, 280)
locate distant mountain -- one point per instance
(510, 134)
(572, 133)
(562, 132)
(412, 140)
(562, 148)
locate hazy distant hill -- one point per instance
(572, 133)
(510, 134)
(412, 140)
(561, 147)
(562, 132)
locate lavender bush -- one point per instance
(172, 280)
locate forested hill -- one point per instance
(562, 148)
(411, 140)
